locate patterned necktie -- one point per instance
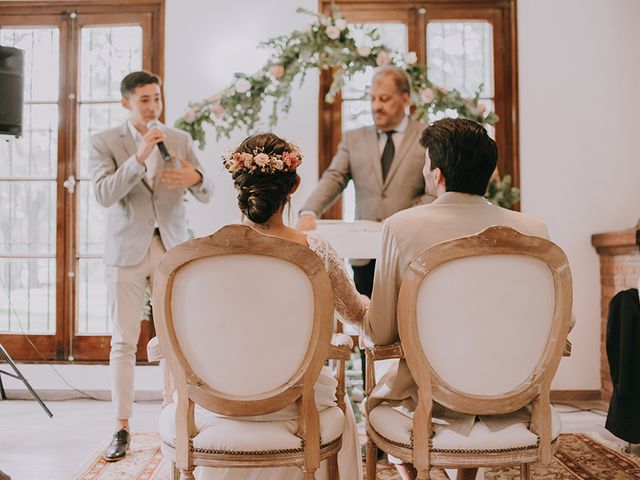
(387, 154)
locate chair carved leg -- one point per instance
(423, 475)
(187, 474)
(334, 472)
(308, 475)
(525, 471)
(371, 459)
(175, 472)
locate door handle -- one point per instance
(70, 184)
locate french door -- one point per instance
(464, 43)
(52, 292)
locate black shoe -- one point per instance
(118, 447)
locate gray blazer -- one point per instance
(358, 158)
(134, 206)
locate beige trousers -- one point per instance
(125, 292)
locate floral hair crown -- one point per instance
(258, 161)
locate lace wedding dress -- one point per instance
(351, 308)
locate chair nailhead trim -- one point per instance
(253, 452)
(444, 450)
(485, 450)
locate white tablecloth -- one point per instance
(359, 239)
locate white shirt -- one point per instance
(154, 163)
(397, 136)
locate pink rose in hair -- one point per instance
(291, 160)
(246, 159)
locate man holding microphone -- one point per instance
(140, 171)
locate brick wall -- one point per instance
(619, 270)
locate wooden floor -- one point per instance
(34, 447)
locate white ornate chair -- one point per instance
(244, 322)
(483, 322)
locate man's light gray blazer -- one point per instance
(134, 206)
(358, 158)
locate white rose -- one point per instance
(410, 58)
(242, 85)
(427, 95)
(363, 51)
(259, 75)
(333, 32)
(341, 23)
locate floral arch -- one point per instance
(328, 43)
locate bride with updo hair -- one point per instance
(263, 169)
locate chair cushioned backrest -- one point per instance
(243, 322)
(483, 321)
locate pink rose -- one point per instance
(333, 32)
(427, 95)
(410, 58)
(363, 51)
(246, 159)
(277, 70)
(383, 58)
(291, 160)
(481, 109)
(189, 116)
(217, 110)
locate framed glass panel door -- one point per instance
(464, 43)
(52, 291)
(28, 196)
(107, 54)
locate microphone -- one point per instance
(161, 146)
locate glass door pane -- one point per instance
(460, 56)
(28, 171)
(107, 54)
(356, 107)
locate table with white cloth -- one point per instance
(352, 240)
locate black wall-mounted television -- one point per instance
(11, 90)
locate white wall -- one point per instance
(206, 42)
(579, 105)
(579, 126)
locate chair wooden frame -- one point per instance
(535, 390)
(239, 239)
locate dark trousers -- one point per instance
(363, 278)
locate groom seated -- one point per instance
(460, 159)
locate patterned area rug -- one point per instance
(579, 457)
